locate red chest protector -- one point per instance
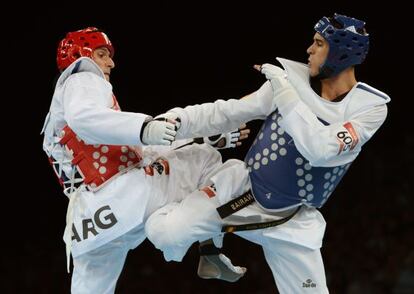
(98, 163)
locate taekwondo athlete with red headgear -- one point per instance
(116, 167)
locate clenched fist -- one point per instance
(158, 132)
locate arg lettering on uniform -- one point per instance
(103, 219)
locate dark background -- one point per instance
(173, 55)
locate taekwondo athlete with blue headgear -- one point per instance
(317, 117)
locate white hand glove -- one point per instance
(285, 97)
(223, 141)
(157, 132)
(170, 117)
(275, 75)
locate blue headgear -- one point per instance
(348, 43)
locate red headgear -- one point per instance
(81, 43)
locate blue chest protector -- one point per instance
(281, 177)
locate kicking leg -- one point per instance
(176, 226)
(215, 265)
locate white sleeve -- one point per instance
(89, 116)
(224, 115)
(329, 145)
(161, 150)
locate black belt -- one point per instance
(256, 226)
(236, 204)
(240, 202)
